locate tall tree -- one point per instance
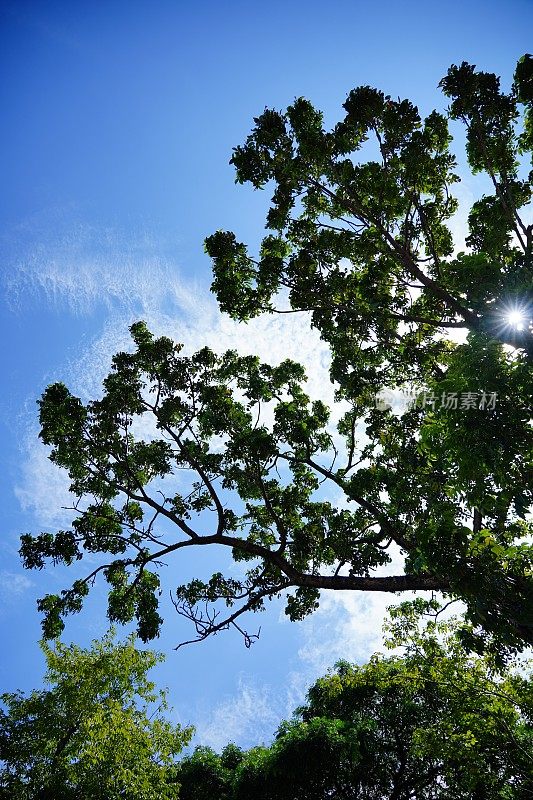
(432, 724)
(97, 732)
(359, 240)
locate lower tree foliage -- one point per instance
(97, 732)
(432, 724)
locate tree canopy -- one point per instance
(98, 731)
(359, 239)
(433, 724)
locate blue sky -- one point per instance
(118, 124)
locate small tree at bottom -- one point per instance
(97, 732)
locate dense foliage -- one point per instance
(97, 732)
(359, 240)
(431, 724)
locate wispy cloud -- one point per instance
(248, 717)
(195, 321)
(348, 625)
(43, 488)
(13, 584)
(72, 266)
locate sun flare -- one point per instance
(516, 318)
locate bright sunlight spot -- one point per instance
(515, 318)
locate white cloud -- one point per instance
(84, 269)
(13, 584)
(196, 322)
(349, 624)
(346, 626)
(247, 718)
(43, 487)
(70, 265)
